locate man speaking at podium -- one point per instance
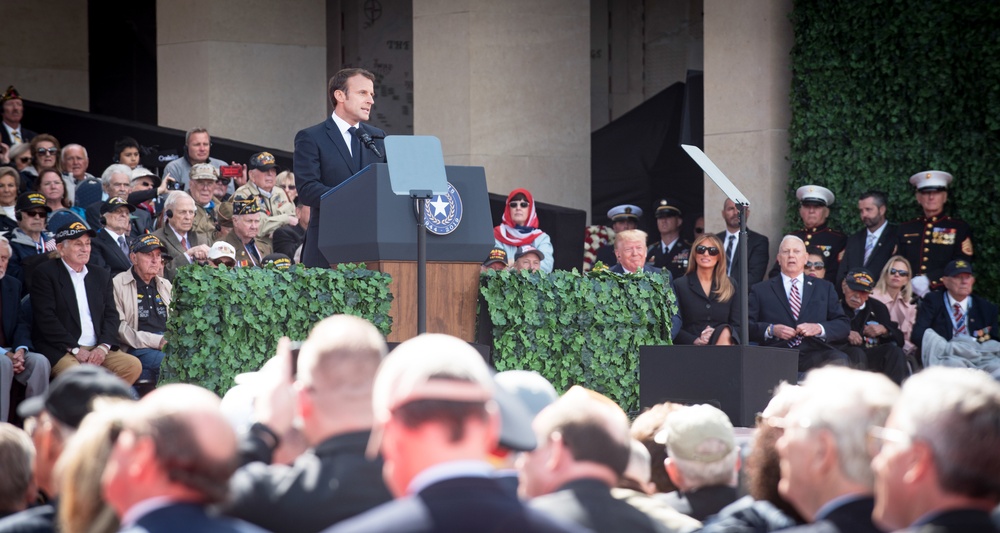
(332, 151)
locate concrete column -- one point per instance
(747, 81)
(249, 70)
(45, 55)
(506, 85)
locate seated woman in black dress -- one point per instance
(706, 296)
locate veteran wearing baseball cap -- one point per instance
(246, 225)
(934, 239)
(875, 342)
(62, 333)
(814, 209)
(955, 312)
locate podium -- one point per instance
(362, 220)
(739, 380)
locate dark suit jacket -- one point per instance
(332, 482)
(854, 252)
(16, 328)
(287, 239)
(649, 269)
(758, 255)
(26, 136)
(320, 162)
(874, 311)
(40, 519)
(56, 326)
(701, 503)
(699, 310)
(464, 504)
(768, 304)
(107, 254)
(588, 503)
(853, 516)
(189, 518)
(933, 313)
(958, 521)
(176, 250)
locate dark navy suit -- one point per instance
(933, 313)
(107, 254)
(189, 518)
(322, 161)
(854, 252)
(768, 304)
(464, 504)
(854, 516)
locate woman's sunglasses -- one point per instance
(897, 272)
(43, 151)
(523, 204)
(817, 265)
(710, 250)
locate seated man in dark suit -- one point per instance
(332, 481)
(954, 312)
(795, 311)
(826, 470)
(436, 422)
(61, 289)
(583, 450)
(110, 248)
(873, 245)
(875, 341)
(758, 254)
(172, 459)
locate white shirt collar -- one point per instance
(342, 124)
(878, 233)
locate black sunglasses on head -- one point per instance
(711, 250)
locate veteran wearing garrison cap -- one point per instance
(246, 224)
(623, 217)
(670, 252)
(814, 209)
(934, 239)
(12, 132)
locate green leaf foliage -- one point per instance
(884, 89)
(578, 329)
(227, 321)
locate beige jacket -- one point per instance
(124, 287)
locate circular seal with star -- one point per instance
(443, 212)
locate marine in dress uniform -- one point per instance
(933, 240)
(814, 208)
(623, 217)
(670, 252)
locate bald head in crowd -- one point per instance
(938, 462)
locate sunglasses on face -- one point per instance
(816, 266)
(523, 204)
(49, 151)
(289, 187)
(25, 159)
(36, 214)
(710, 250)
(897, 272)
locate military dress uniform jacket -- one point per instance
(676, 260)
(930, 243)
(831, 244)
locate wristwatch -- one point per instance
(75, 351)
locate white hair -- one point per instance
(116, 168)
(698, 474)
(62, 153)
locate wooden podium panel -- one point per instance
(452, 294)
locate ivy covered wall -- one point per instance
(884, 89)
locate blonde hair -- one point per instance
(883, 286)
(724, 289)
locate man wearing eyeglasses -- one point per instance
(824, 448)
(275, 209)
(872, 246)
(13, 111)
(936, 468)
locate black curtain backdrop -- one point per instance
(637, 159)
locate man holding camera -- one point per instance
(275, 209)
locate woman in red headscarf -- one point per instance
(520, 228)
